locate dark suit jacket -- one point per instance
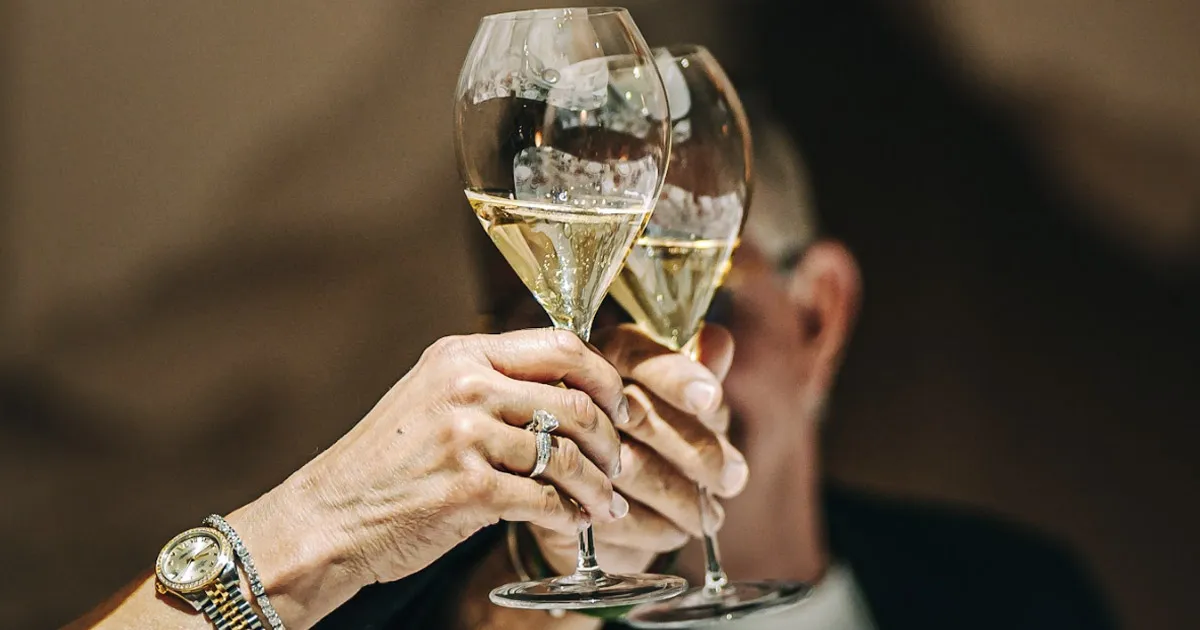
(925, 566)
(919, 566)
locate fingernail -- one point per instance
(735, 475)
(619, 507)
(622, 410)
(700, 396)
(616, 469)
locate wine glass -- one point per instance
(563, 135)
(674, 270)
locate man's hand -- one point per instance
(674, 440)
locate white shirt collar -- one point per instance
(836, 603)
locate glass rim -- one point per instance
(537, 14)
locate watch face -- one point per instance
(193, 559)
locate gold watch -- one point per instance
(198, 567)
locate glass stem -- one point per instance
(585, 563)
(714, 576)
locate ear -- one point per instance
(826, 287)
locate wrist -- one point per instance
(304, 569)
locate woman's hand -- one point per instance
(444, 454)
(676, 440)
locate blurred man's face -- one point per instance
(772, 357)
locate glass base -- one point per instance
(573, 592)
(736, 600)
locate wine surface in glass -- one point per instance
(667, 284)
(566, 255)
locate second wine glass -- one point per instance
(672, 274)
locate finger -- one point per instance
(701, 454)
(521, 499)
(650, 480)
(552, 356)
(643, 529)
(514, 450)
(580, 419)
(676, 378)
(716, 349)
(719, 420)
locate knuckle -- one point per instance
(580, 406)
(469, 388)
(459, 433)
(471, 487)
(548, 500)
(480, 484)
(570, 459)
(445, 347)
(566, 343)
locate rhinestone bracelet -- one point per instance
(256, 586)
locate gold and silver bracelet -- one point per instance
(256, 587)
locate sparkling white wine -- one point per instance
(566, 255)
(667, 285)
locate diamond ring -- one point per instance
(542, 424)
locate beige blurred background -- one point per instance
(226, 228)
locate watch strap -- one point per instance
(226, 607)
